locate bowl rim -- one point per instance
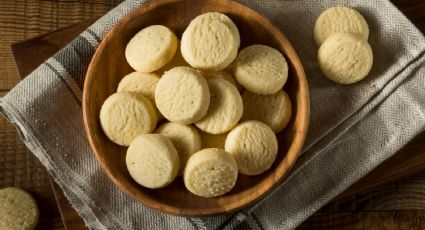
(288, 160)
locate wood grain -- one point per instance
(44, 46)
(351, 206)
(110, 63)
(24, 19)
(407, 220)
(21, 20)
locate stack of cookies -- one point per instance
(345, 56)
(198, 107)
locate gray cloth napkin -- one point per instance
(353, 127)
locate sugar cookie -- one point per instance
(152, 160)
(222, 18)
(213, 140)
(210, 172)
(225, 108)
(340, 19)
(18, 209)
(254, 146)
(274, 110)
(261, 69)
(144, 83)
(225, 75)
(151, 48)
(182, 95)
(126, 115)
(344, 58)
(210, 43)
(185, 138)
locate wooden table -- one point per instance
(396, 205)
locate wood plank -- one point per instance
(366, 220)
(44, 46)
(25, 19)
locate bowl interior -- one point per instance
(109, 65)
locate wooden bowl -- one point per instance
(109, 65)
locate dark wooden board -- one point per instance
(408, 161)
(31, 53)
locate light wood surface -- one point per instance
(391, 210)
(109, 65)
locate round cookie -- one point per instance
(225, 75)
(340, 19)
(151, 48)
(222, 18)
(152, 160)
(344, 58)
(213, 140)
(126, 115)
(254, 146)
(274, 110)
(185, 138)
(182, 95)
(18, 209)
(210, 173)
(210, 43)
(261, 69)
(225, 108)
(144, 83)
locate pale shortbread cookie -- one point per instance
(152, 160)
(222, 18)
(225, 75)
(210, 42)
(213, 140)
(225, 108)
(254, 146)
(210, 173)
(144, 83)
(185, 138)
(182, 95)
(344, 58)
(177, 60)
(126, 115)
(340, 19)
(261, 69)
(274, 109)
(18, 210)
(151, 48)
